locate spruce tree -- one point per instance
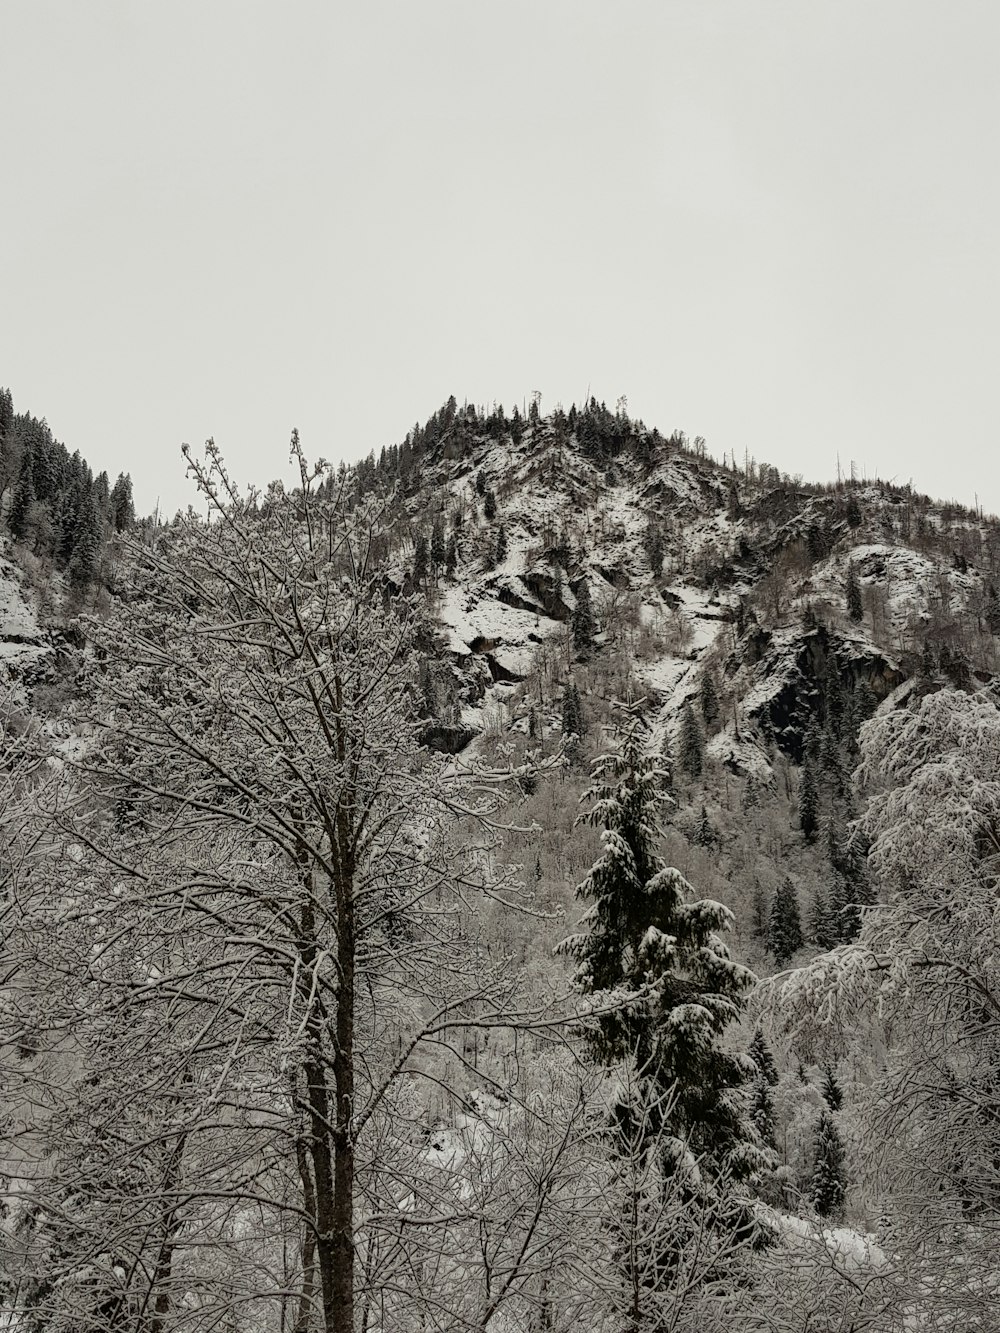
(690, 743)
(86, 545)
(573, 723)
(829, 1180)
(704, 834)
(762, 1111)
(709, 697)
(646, 941)
(20, 509)
(784, 929)
(808, 802)
(421, 559)
(823, 921)
(584, 625)
(760, 1054)
(855, 609)
(832, 1094)
(437, 542)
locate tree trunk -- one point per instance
(340, 1316)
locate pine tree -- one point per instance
(653, 543)
(86, 544)
(822, 923)
(704, 834)
(24, 498)
(690, 743)
(784, 929)
(584, 625)
(762, 1111)
(644, 937)
(501, 548)
(808, 802)
(854, 518)
(490, 505)
(855, 609)
(709, 697)
(437, 542)
(421, 559)
(6, 416)
(832, 1093)
(451, 555)
(829, 1180)
(573, 723)
(760, 1054)
(734, 509)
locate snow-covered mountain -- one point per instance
(692, 568)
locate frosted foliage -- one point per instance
(935, 775)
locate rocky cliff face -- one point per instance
(691, 570)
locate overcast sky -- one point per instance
(774, 223)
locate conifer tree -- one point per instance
(690, 743)
(451, 555)
(490, 505)
(823, 921)
(784, 931)
(762, 1111)
(437, 542)
(667, 763)
(646, 941)
(855, 608)
(704, 834)
(709, 697)
(854, 518)
(6, 416)
(760, 1054)
(421, 559)
(832, 1094)
(501, 550)
(808, 802)
(573, 723)
(24, 498)
(829, 1180)
(86, 544)
(584, 625)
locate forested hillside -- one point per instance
(539, 878)
(52, 504)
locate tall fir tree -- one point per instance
(832, 1094)
(648, 943)
(829, 1179)
(87, 543)
(573, 723)
(709, 698)
(855, 607)
(438, 552)
(421, 559)
(24, 498)
(784, 928)
(690, 743)
(808, 801)
(584, 625)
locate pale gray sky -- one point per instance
(773, 223)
